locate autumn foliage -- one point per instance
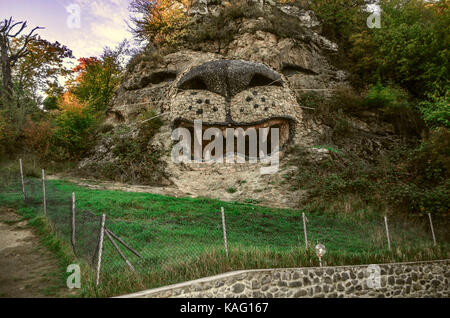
(37, 136)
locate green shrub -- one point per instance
(411, 199)
(430, 163)
(348, 101)
(231, 190)
(74, 135)
(410, 49)
(394, 106)
(310, 99)
(436, 112)
(340, 18)
(221, 28)
(410, 179)
(10, 141)
(136, 161)
(383, 97)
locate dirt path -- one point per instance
(27, 269)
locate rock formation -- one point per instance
(254, 81)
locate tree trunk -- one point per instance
(6, 71)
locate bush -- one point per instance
(221, 28)
(73, 136)
(340, 18)
(410, 49)
(37, 137)
(436, 112)
(10, 141)
(410, 179)
(411, 199)
(430, 163)
(310, 99)
(383, 97)
(348, 101)
(394, 106)
(135, 160)
(149, 55)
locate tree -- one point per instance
(99, 77)
(156, 20)
(341, 18)
(411, 48)
(43, 64)
(9, 29)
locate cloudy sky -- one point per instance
(101, 22)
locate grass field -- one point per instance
(182, 238)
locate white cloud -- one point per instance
(103, 24)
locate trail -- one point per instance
(27, 269)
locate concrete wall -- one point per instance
(422, 279)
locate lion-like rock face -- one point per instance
(234, 94)
(255, 81)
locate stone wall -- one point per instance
(423, 279)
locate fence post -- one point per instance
(100, 249)
(387, 232)
(123, 243)
(304, 229)
(43, 193)
(73, 222)
(21, 179)
(119, 251)
(224, 231)
(432, 229)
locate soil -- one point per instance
(27, 268)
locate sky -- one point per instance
(101, 22)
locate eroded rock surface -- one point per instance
(255, 81)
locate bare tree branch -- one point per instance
(24, 25)
(7, 58)
(22, 52)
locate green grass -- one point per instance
(182, 239)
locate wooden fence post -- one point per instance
(304, 229)
(432, 229)
(21, 179)
(387, 232)
(123, 243)
(224, 231)
(44, 199)
(119, 251)
(73, 223)
(100, 249)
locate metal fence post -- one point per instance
(304, 229)
(100, 249)
(43, 193)
(387, 232)
(224, 231)
(21, 179)
(432, 229)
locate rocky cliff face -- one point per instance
(253, 81)
(301, 60)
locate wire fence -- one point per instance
(162, 238)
